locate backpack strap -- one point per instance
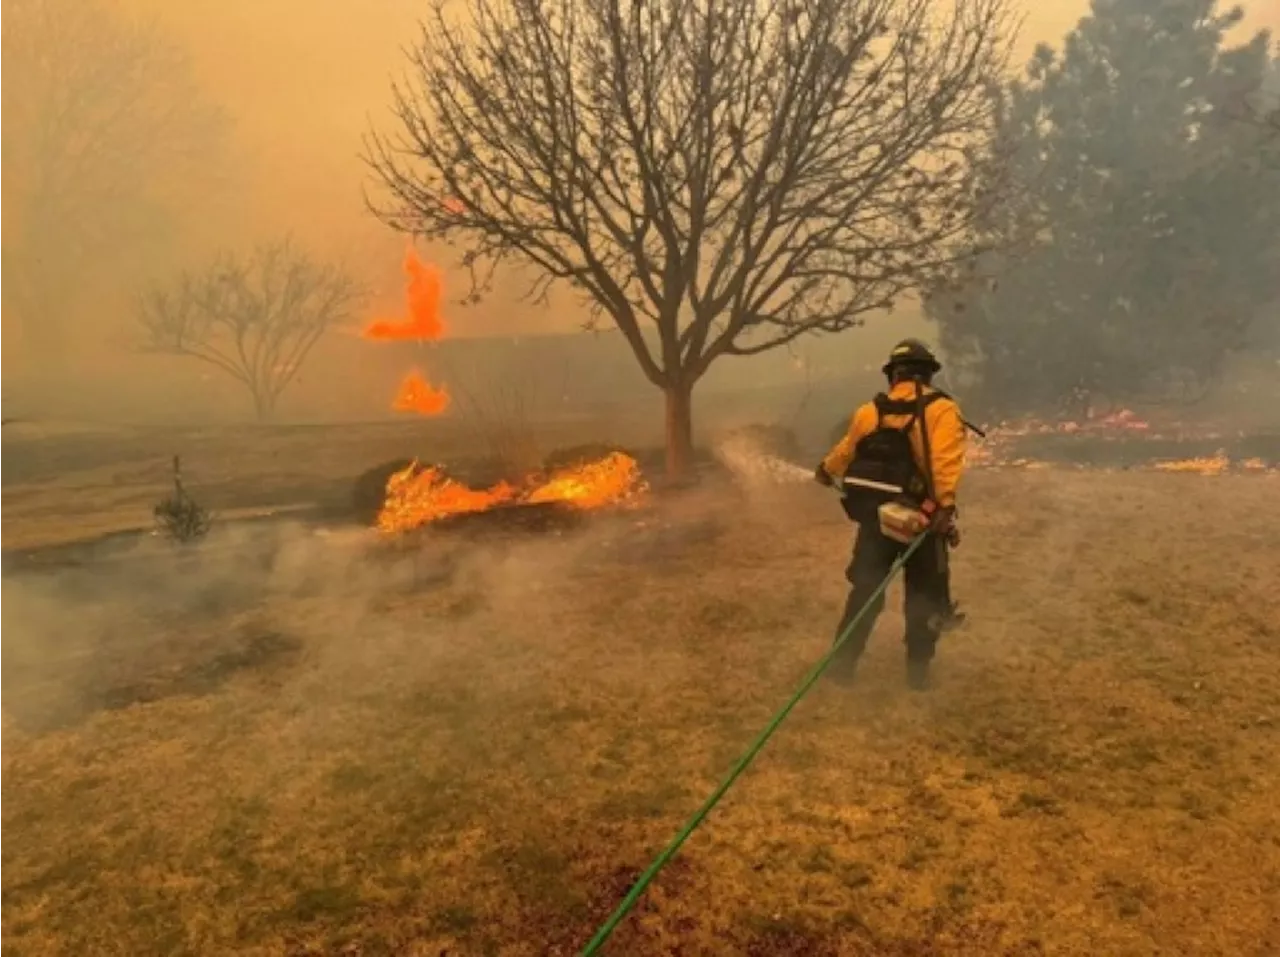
(908, 407)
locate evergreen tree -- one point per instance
(1141, 237)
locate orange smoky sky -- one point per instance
(417, 395)
(271, 65)
(423, 291)
(298, 121)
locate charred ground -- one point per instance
(301, 741)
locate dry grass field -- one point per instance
(297, 740)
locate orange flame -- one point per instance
(417, 496)
(613, 480)
(424, 291)
(1204, 465)
(418, 395)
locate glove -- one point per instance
(822, 478)
(943, 520)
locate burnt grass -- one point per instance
(1134, 450)
(474, 741)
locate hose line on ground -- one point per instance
(659, 862)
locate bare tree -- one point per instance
(104, 128)
(256, 319)
(717, 177)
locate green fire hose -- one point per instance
(659, 862)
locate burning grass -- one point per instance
(1125, 440)
(482, 766)
(418, 495)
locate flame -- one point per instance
(423, 294)
(613, 480)
(1206, 465)
(418, 395)
(422, 298)
(1124, 419)
(995, 450)
(1217, 464)
(999, 448)
(418, 495)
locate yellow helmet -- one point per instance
(911, 352)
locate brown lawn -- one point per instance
(326, 745)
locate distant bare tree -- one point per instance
(717, 177)
(256, 319)
(104, 126)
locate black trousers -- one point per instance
(927, 594)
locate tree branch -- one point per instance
(734, 174)
(255, 319)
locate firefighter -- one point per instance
(906, 446)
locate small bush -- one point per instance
(179, 517)
(370, 489)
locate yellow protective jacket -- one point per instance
(946, 440)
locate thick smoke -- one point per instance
(310, 607)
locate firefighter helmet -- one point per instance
(911, 352)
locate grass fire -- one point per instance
(520, 723)
(645, 478)
(419, 495)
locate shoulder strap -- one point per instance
(881, 402)
(922, 402)
(887, 406)
(908, 407)
(963, 421)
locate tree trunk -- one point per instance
(264, 405)
(679, 430)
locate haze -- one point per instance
(426, 640)
(298, 84)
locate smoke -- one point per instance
(136, 623)
(312, 610)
